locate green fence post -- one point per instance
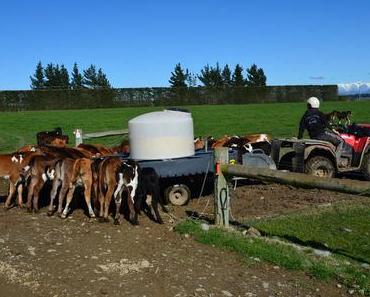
(222, 198)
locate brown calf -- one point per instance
(81, 173)
(43, 169)
(63, 175)
(67, 174)
(10, 168)
(54, 137)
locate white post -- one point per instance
(78, 136)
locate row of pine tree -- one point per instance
(55, 76)
(215, 76)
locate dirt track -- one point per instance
(47, 256)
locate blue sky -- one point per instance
(138, 43)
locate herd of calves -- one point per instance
(101, 170)
(102, 173)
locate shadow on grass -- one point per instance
(293, 239)
(317, 245)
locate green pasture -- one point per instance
(343, 228)
(280, 119)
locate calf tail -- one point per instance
(101, 177)
(76, 171)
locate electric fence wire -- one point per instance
(203, 213)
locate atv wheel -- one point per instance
(320, 166)
(365, 166)
(177, 194)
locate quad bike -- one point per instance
(320, 158)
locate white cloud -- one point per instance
(354, 88)
(317, 77)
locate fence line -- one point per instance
(106, 98)
(80, 137)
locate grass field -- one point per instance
(344, 229)
(19, 128)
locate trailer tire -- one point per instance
(320, 166)
(177, 194)
(365, 166)
(286, 162)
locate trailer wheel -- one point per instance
(320, 166)
(177, 194)
(286, 162)
(365, 166)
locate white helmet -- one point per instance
(314, 102)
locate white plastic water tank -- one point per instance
(161, 135)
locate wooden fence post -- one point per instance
(222, 199)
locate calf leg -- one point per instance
(87, 184)
(10, 196)
(107, 200)
(155, 201)
(100, 198)
(53, 193)
(146, 201)
(20, 196)
(118, 200)
(71, 191)
(30, 193)
(62, 193)
(36, 195)
(95, 196)
(134, 210)
(101, 202)
(151, 208)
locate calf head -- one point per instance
(60, 141)
(199, 143)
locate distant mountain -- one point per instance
(356, 88)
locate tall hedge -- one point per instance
(105, 98)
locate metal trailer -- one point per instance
(184, 178)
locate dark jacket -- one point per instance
(314, 121)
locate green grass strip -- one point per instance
(328, 268)
(344, 229)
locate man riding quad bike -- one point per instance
(327, 152)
